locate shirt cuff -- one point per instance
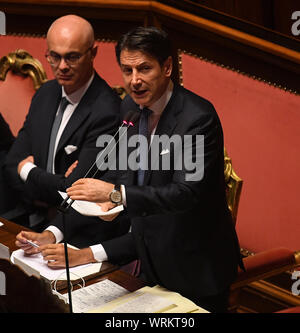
(123, 192)
(59, 236)
(25, 170)
(99, 252)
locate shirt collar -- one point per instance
(76, 96)
(158, 106)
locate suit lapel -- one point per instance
(81, 112)
(166, 125)
(48, 118)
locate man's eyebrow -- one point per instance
(71, 52)
(144, 63)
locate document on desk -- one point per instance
(1, 224)
(95, 295)
(38, 264)
(150, 300)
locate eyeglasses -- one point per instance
(71, 58)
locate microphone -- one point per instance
(129, 120)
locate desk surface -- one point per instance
(9, 230)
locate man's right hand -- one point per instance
(46, 237)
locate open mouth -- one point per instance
(64, 77)
(139, 93)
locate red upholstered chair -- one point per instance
(263, 264)
(20, 76)
(294, 309)
(260, 266)
(260, 126)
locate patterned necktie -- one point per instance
(55, 127)
(143, 154)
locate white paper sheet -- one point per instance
(90, 208)
(95, 295)
(146, 303)
(37, 262)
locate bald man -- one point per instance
(54, 137)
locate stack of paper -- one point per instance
(95, 295)
(37, 266)
(150, 300)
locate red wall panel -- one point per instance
(261, 126)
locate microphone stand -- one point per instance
(131, 118)
(129, 121)
(63, 212)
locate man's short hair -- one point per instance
(150, 40)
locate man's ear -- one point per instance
(168, 66)
(94, 50)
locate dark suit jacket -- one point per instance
(6, 137)
(182, 230)
(96, 114)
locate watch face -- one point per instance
(116, 197)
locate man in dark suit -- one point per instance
(181, 229)
(6, 140)
(47, 146)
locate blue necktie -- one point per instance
(55, 127)
(143, 155)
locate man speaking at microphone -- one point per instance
(182, 235)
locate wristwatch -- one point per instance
(116, 195)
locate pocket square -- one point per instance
(70, 149)
(164, 151)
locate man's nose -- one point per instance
(63, 64)
(136, 79)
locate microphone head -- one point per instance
(128, 115)
(135, 117)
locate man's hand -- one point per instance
(22, 163)
(46, 237)
(71, 169)
(89, 189)
(55, 255)
(106, 206)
